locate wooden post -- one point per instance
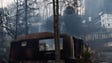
(56, 30)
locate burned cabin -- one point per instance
(39, 48)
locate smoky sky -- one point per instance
(93, 7)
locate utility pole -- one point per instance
(16, 33)
(26, 21)
(56, 30)
(2, 23)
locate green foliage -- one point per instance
(86, 55)
(85, 58)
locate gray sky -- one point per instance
(4, 3)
